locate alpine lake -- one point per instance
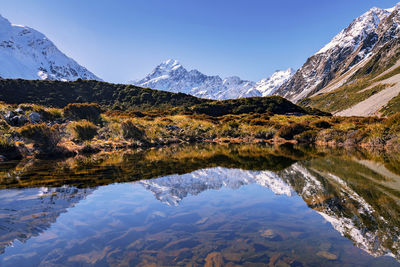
(203, 205)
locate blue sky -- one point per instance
(121, 40)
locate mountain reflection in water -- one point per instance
(235, 205)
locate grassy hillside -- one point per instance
(392, 107)
(128, 97)
(120, 96)
(344, 97)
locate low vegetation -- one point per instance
(392, 107)
(67, 134)
(131, 131)
(83, 111)
(45, 138)
(83, 130)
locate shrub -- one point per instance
(83, 130)
(265, 133)
(322, 124)
(260, 122)
(83, 111)
(309, 136)
(130, 131)
(230, 129)
(49, 114)
(289, 131)
(8, 148)
(393, 121)
(45, 138)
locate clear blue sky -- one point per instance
(121, 40)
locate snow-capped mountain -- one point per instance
(268, 86)
(172, 189)
(348, 48)
(173, 77)
(28, 54)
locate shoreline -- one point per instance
(93, 148)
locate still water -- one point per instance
(203, 206)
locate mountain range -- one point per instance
(356, 73)
(173, 77)
(28, 54)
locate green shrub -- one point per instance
(289, 131)
(45, 138)
(130, 131)
(84, 130)
(83, 111)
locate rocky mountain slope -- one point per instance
(28, 54)
(349, 47)
(173, 77)
(356, 73)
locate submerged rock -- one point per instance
(327, 255)
(271, 235)
(214, 259)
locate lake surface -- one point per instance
(203, 206)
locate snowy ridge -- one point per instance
(173, 77)
(172, 189)
(358, 30)
(352, 45)
(268, 86)
(28, 54)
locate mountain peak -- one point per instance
(170, 64)
(4, 21)
(358, 30)
(173, 77)
(28, 54)
(268, 86)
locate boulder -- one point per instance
(15, 120)
(19, 111)
(9, 116)
(34, 117)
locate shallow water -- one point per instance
(230, 208)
